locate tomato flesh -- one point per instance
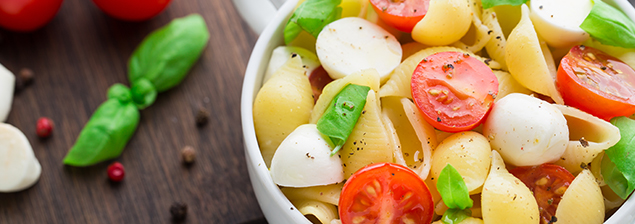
(27, 15)
(385, 193)
(319, 78)
(596, 83)
(454, 90)
(132, 10)
(548, 182)
(401, 14)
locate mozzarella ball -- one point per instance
(558, 22)
(303, 160)
(526, 131)
(353, 44)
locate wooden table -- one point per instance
(75, 58)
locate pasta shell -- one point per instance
(282, 104)
(445, 23)
(507, 84)
(582, 191)
(368, 77)
(478, 34)
(589, 136)
(315, 211)
(327, 194)
(469, 153)
(529, 59)
(399, 82)
(505, 199)
(496, 45)
(369, 142)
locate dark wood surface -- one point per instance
(75, 58)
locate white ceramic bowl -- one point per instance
(275, 206)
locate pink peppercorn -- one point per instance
(44, 127)
(116, 172)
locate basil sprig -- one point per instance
(619, 171)
(454, 193)
(160, 62)
(609, 26)
(340, 117)
(491, 3)
(312, 16)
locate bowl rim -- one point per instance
(252, 82)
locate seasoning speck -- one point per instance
(584, 142)
(202, 117)
(23, 80)
(188, 154)
(178, 211)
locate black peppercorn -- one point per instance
(23, 80)
(202, 116)
(178, 211)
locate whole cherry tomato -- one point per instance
(597, 83)
(385, 193)
(27, 15)
(132, 10)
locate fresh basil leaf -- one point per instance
(453, 190)
(120, 92)
(614, 178)
(167, 54)
(622, 155)
(340, 117)
(107, 132)
(491, 3)
(455, 216)
(312, 16)
(609, 26)
(143, 93)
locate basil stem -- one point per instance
(455, 216)
(107, 131)
(167, 54)
(609, 26)
(340, 117)
(621, 175)
(312, 16)
(491, 3)
(453, 189)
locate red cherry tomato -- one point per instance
(385, 193)
(401, 14)
(548, 182)
(319, 78)
(454, 90)
(27, 15)
(597, 83)
(132, 10)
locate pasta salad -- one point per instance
(451, 111)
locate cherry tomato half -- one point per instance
(454, 90)
(132, 10)
(319, 78)
(548, 182)
(597, 83)
(27, 15)
(385, 193)
(401, 14)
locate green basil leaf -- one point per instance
(143, 93)
(312, 16)
(453, 190)
(614, 178)
(340, 117)
(609, 26)
(455, 216)
(491, 3)
(120, 92)
(105, 135)
(167, 54)
(622, 155)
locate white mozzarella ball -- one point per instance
(353, 44)
(526, 131)
(7, 83)
(558, 21)
(303, 159)
(282, 54)
(19, 169)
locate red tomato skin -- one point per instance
(132, 10)
(392, 12)
(399, 181)
(579, 94)
(27, 15)
(547, 195)
(469, 85)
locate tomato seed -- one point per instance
(371, 191)
(542, 181)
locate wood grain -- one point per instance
(75, 59)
